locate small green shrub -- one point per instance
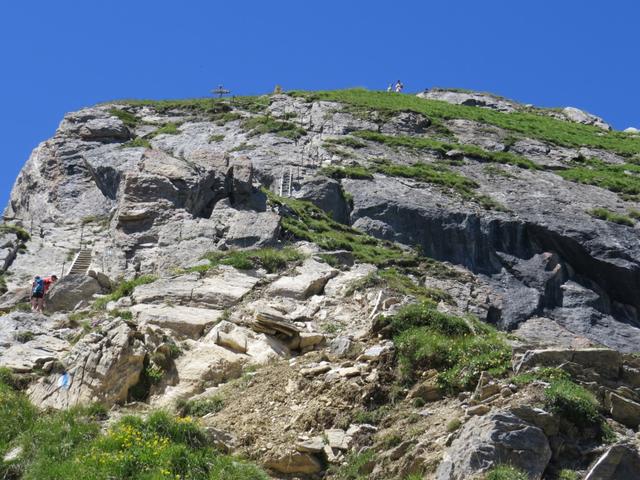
(356, 172)
(609, 216)
(347, 141)
(355, 467)
(573, 402)
(425, 315)
(391, 440)
(24, 336)
(128, 118)
(200, 408)
(506, 472)
(566, 474)
(453, 425)
(20, 232)
(137, 142)
(371, 417)
(216, 138)
(461, 349)
(124, 289)
(169, 128)
(262, 124)
(271, 259)
(546, 374)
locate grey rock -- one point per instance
(620, 462)
(494, 439)
(472, 99)
(326, 194)
(580, 116)
(624, 410)
(102, 366)
(71, 290)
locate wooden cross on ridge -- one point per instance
(220, 91)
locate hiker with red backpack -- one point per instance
(39, 289)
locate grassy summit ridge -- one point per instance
(529, 124)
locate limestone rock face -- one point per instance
(28, 341)
(495, 439)
(102, 367)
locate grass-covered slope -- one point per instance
(72, 445)
(529, 124)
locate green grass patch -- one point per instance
(273, 260)
(459, 348)
(623, 179)
(70, 445)
(399, 281)
(506, 472)
(438, 174)
(533, 125)
(572, 402)
(347, 141)
(128, 118)
(136, 143)
(305, 221)
(420, 143)
(170, 128)
(545, 374)
(3, 283)
(566, 474)
(20, 232)
(124, 289)
(200, 408)
(356, 172)
(262, 124)
(215, 138)
(453, 425)
(355, 467)
(243, 147)
(609, 216)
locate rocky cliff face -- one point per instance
(529, 214)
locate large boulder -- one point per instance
(586, 118)
(495, 439)
(71, 290)
(327, 195)
(28, 341)
(309, 279)
(186, 321)
(101, 367)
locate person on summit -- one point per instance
(399, 86)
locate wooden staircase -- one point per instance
(81, 263)
(286, 182)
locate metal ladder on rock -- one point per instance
(81, 263)
(286, 182)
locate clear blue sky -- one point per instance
(61, 55)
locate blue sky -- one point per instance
(60, 56)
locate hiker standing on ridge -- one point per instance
(399, 86)
(389, 88)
